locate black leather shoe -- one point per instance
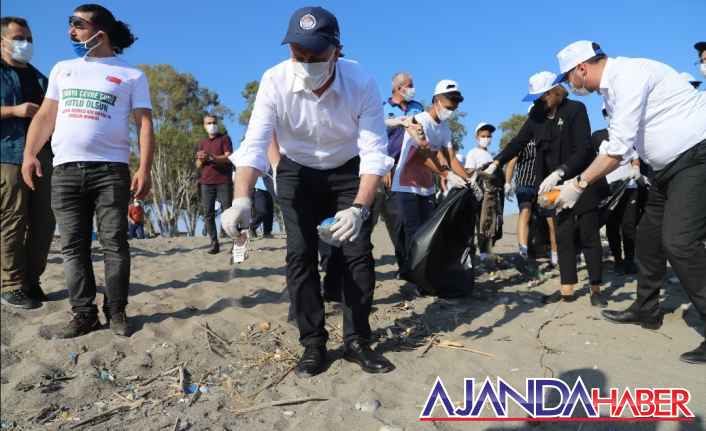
(215, 248)
(557, 296)
(696, 356)
(629, 316)
(80, 324)
(312, 362)
(361, 354)
(597, 300)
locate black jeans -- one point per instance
(210, 193)
(414, 211)
(583, 229)
(673, 227)
(307, 196)
(80, 190)
(621, 226)
(264, 211)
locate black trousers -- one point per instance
(673, 227)
(80, 190)
(210, 193)
(582, 230)
(621, 226)
(264, 211)
(307, 196)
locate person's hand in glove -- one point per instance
(348, 224)
(455, 181)
(509, 191)
(635, 173)
(490, 170)
(237, 217)
(551, 181)
(569, 194)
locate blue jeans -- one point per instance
(136, 231)
(80, 191)
(414, 211)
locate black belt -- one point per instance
(93, 164)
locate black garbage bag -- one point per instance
(609, 203)
(435, 260)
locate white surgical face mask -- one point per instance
(443, 113)
(21, 50)
(408, 94)
(579, 91)
(702, 68)
(314, 75)
(483, 142)
(212, 129)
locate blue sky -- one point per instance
(490, 48)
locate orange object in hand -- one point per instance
(548, 200)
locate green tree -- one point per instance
(179, 103)
(510, 128)
(458, 130)
(248, 93)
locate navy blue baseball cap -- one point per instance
(314, 28)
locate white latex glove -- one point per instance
(237, 217)
(348, 224)
(509, 191)
(490, 170)
(569, 194)
(635, 173)
(394, 122)
(454, 181)
(551, 181)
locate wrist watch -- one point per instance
(364, 211)
(581, 183)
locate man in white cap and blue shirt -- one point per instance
(657, 113)
(327, 115)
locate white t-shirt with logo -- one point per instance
(411, 175)
(96, 97)
(477, 157)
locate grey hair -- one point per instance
(399, 77)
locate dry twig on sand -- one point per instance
(278, 403)
(458, 346)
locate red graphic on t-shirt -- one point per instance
(414, 173)
(114, 79)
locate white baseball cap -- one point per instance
(575, 54)
(486, 126)
(446, 86)
(540, 83)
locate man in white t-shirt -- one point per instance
(87, 107)
(476, 158)
(425, 150)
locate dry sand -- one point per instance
(177, 289)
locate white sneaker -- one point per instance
(240, 247)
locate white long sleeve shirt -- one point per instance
(652, 109)
(318, 132)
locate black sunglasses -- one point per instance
(79, 23)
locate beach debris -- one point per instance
(191, 389)
(286, 402)
(73, 357)
(370, 406)
(7, 425)
(389, 428)
(105, 416)
(450, 344)
(147, 361)
(264, 326)
(288, 413)
(105, 375)
(48, 383)
(176, 424)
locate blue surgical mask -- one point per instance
(82, 49)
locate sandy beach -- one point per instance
(220, 332)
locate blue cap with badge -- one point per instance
(313, 28)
